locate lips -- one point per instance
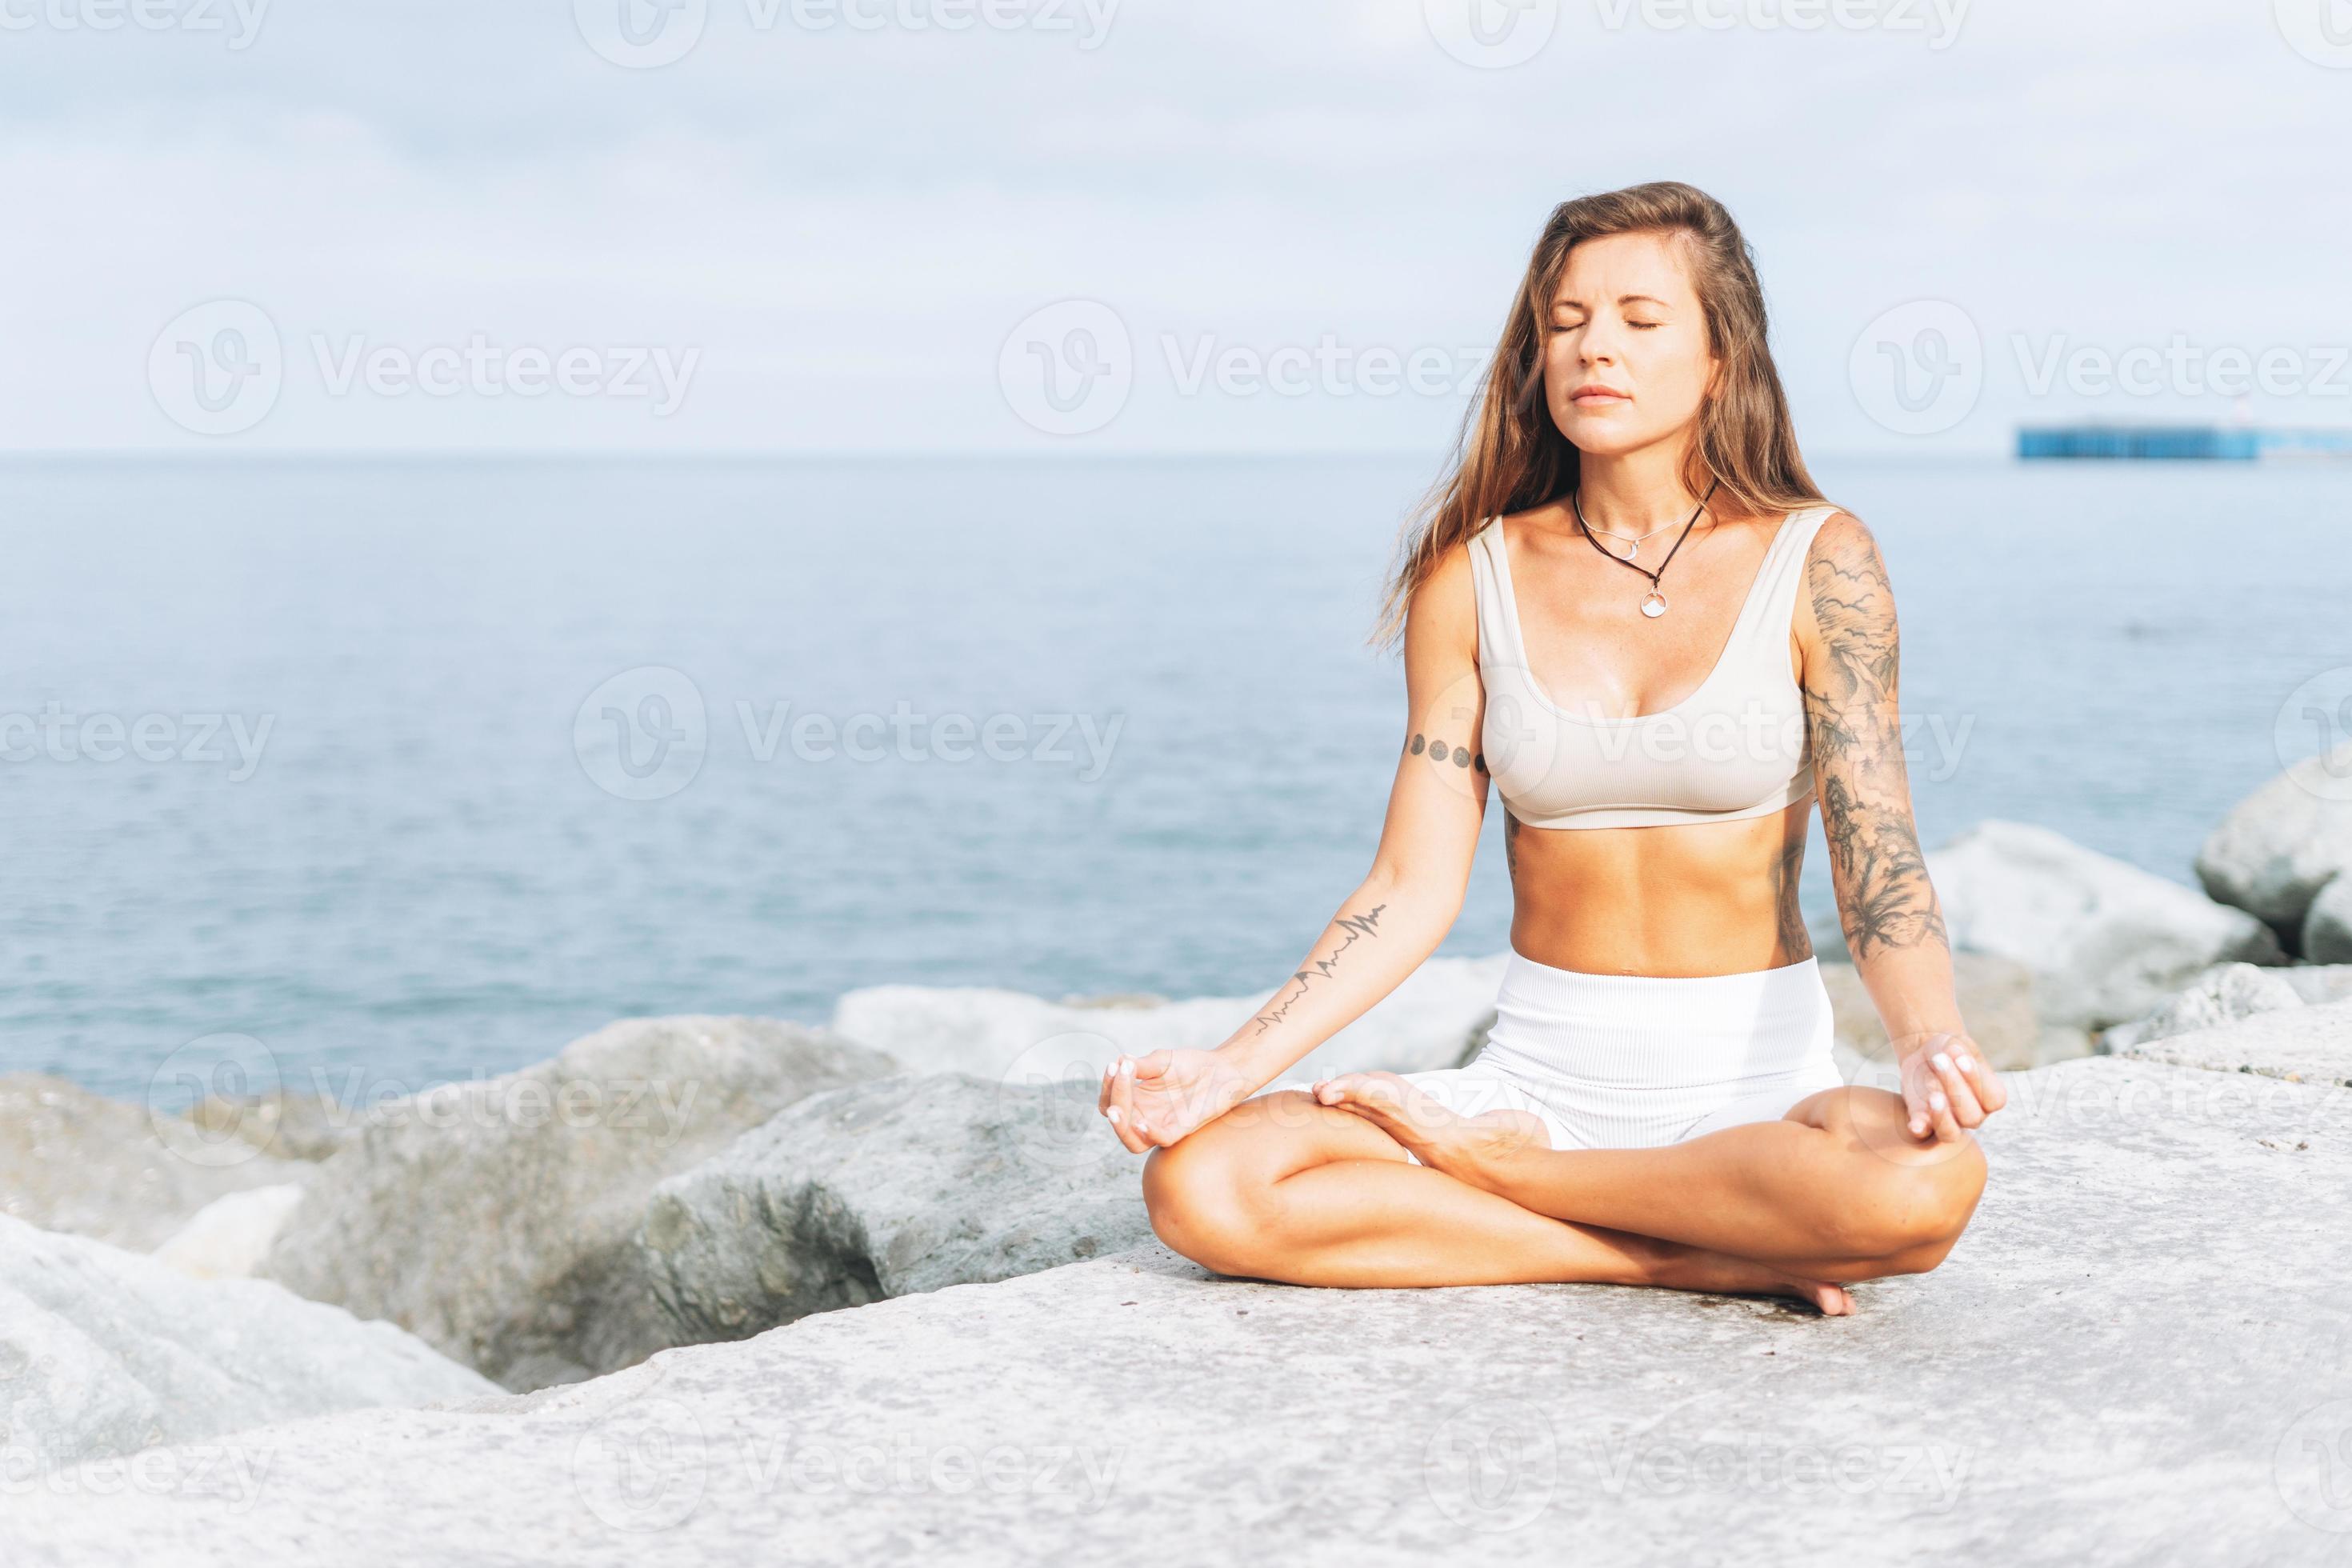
(1599, 397)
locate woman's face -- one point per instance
(1626, 359)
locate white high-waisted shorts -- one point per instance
(1635, 1061)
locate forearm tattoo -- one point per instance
(1359, 928)
(1884, 898)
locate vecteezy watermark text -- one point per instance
(1938, 21)
(2181, 368)
(220, 368)
(645, 1462)
(925, 737)
(653, 372)
(646, 734)
(645, 35)
(228, 1473)
(1069, 368)
(238, 21)
(58, 734)
(1662, 1467)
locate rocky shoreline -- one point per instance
(597, 1231)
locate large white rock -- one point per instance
(887, 1188)
(76, 1162)
(2106, 942)
(2319, 982)
(104, 1352)
(2278, 846)
(229, 1238)
(2327, 924)
(2222, 994)
(2140, 1343)
(1425, 1023)
(496, 1219)
(1996, 1000)
(2305, 1045)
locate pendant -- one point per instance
(1654, 603)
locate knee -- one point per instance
(1203, 1202)
(1908, 1213)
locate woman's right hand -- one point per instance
(1151, 1101)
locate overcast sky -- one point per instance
(1089, 227)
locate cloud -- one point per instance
(847, 223)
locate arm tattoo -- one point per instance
(1439, 752)
(1787, 873)
(1358, 927)
(1884, 898)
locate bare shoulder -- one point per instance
(1442, 614)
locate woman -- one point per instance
(1631, 604)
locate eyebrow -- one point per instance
(1621, 298)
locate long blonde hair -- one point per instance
(1510, 456)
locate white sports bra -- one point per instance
(1737, 747)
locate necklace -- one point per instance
(1632, 541)
(1654, 603)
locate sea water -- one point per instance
(327, 753)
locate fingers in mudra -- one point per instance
(1379, 1095)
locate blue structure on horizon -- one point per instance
(2177, 443)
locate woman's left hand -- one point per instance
(1948, 1086)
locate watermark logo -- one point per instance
(1493, 1468)
(1492, 34)
(2314, 735)
(1068, 369)
(229, 1068)
(2319, 30)
(1918, 369)
(2313, 1466)
(643, 734)
(1047, 1095)
(217, 369)
(642, 1465)
(642, 35)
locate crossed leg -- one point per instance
(1282, 1188)
(1836, 1191)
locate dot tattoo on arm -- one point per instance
(1439, 752)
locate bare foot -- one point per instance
(1474, 1148)
(1717, 1273)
